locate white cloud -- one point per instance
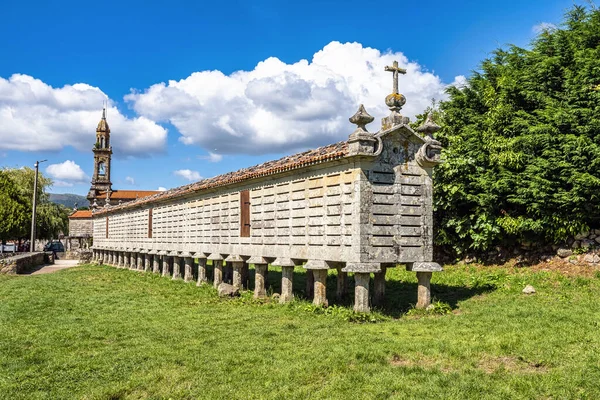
(188, 174)
(543, 26)
(212, 157)
(58, 183)
(66, 171)
(161, 189)
(284, 107)
(460, 82)
(35, 116)
(130, 180)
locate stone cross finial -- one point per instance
(395, 70)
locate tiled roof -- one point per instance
(316, 156)
(128, 194)
(81, 214)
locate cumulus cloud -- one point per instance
(212, 157)
(130, 180)
(542, 27)
(35, 116)
(188, 174)
(161, 189)
(66, 171)
(283, 107)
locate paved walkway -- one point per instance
(49, 268)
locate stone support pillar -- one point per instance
(133, 259)
(261, 268)
(155, 263)
(148, 262)
(424, 271)
(362, 276)
(202, 279)
(176, 267)
(424, 289)
(287, 278)
(217, 261)
(140, 260)
(260, 279)
(237, 263)
(126, 258)
(361, 292)
(319, 271)
(188, 265)
(164, 263)
(121, 262)
(379, 287)
(320, 291)
(342, 284)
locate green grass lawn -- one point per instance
(98, 332)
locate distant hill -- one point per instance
(69, 200)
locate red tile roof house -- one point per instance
(360, 206)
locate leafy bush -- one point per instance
(522, 143)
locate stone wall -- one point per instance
(21, 263)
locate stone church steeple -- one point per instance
(102, 156)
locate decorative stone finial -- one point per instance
(395, 100)
(361, 118)
(361, 142)
(429, 127)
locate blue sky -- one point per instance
(197, 89)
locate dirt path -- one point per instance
(49, 268)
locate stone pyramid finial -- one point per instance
(361, 118)
(361, 141)
(429, 127)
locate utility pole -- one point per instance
(32, 243)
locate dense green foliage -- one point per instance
(522, 143)
(105, 333)
(16, 194)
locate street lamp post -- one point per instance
(32, 243)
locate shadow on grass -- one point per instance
(400, 296)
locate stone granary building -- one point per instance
(360, 206)
(80, 230)
(101, 192)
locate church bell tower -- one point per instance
(102, 154)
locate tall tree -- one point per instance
(16, 195)
(522, 143)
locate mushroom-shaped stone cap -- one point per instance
(283, 262)
(429, 127)
(215, 257)
(234, 258)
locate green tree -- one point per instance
(13, 212)
(522, 143)
(16, 195)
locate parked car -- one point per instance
(9, 247)
(55, 246)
